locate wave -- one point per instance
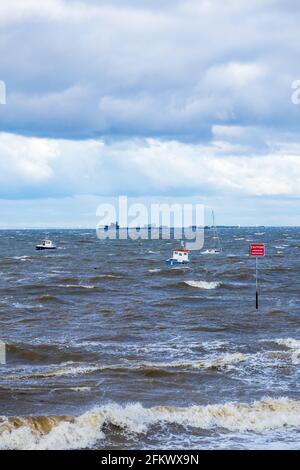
(23, 352)
(70, 286)
(105, 276)
(49, 298)
(75, 286)
(203, 284)
(175, 271)
(63, 371)
(68, 432)
(288, 342)
(72, 369)
(19, 305)
(294, 345)
(22, 258)
(221, 362)
(42, 356)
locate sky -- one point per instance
(175, 101)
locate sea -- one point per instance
(107, 347)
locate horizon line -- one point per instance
(231, 226)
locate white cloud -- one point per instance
(145, 166)
(25, 161)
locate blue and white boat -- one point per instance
(180, 256)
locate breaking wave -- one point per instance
(293, 345)
(203, 284)
(76, 370)
(224, 361)
(290, 343)
(67, 432)
(60, 371)
(221, 362)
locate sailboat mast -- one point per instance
(215, 245)
(216, 238)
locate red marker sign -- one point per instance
(257, 250)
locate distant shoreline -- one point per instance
(225, 227)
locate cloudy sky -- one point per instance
(180, 100)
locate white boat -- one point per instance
(212, 251)
(180, 256)
(216, 248)
(46, 245)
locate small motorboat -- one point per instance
(180, 256)
(46, 245)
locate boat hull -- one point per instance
(173, 262)
(40, 248)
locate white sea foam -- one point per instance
(72, 389)
(288, 342)
(58, 371)
(290, 356)
(224, 361)
(78, 286)
(85, 430)
(294, 345)
(154, 270)
(73, 370)
(113, 276)
(22, 258)
(214, 344)
(203, 284)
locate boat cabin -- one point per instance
(46, 245)
(180, 256)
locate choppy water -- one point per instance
(107, 347)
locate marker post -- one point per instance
(257, 250)
(256, 282)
